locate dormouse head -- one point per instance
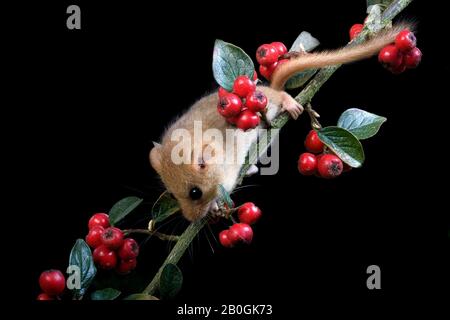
(193, 184)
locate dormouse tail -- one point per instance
(340, 56)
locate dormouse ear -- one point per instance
(155, 157)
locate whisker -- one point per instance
(243, 187)
(207, 238)
(212, 233)
(134, 189)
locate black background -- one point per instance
(102, 94)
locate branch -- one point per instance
(304, 97)
(177, 252)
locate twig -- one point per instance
(162, 236)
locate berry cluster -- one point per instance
(269, 56)
(324, 165)
(401, 55)
(241, 232)
(241, 106)
(52, 283)
(111, 250)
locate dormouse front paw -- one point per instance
(291, 106)
(214, 210)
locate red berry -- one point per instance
(243, 86)
(229, 105)
(94, 237)
(390, 57)
(52, 282)
(125, 266)
(264, 70)
(318, 157)
(398, 69)
(355, 30)
(99, 219)
(232, 120)
(255, 76)
(104, 257)
(405, 40)
(112, 238)
(267, 54)
(313, 143)
(307, 164)
(128, 250)
(249, 213)
(240, 232)
(256, 101)
(412, 58)
(247, 120)
(44, 296)
(329, 166)
(222, 92)
(280, 62)
(281, 48)
(224, 239)
(267, 71)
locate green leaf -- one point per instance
(383, 3)
(229, 62)
(140, 296)
(224, 197)
(105, 294)
(361, 123)
(170, 281)
(81, 257)
(299, 79)
(305, 42)
(164, 207)
(122, 208)
(344, 144)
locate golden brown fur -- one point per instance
(335, 57)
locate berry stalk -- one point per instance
(161, 236)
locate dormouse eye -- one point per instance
(195, 193)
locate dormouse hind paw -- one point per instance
(291, 106)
